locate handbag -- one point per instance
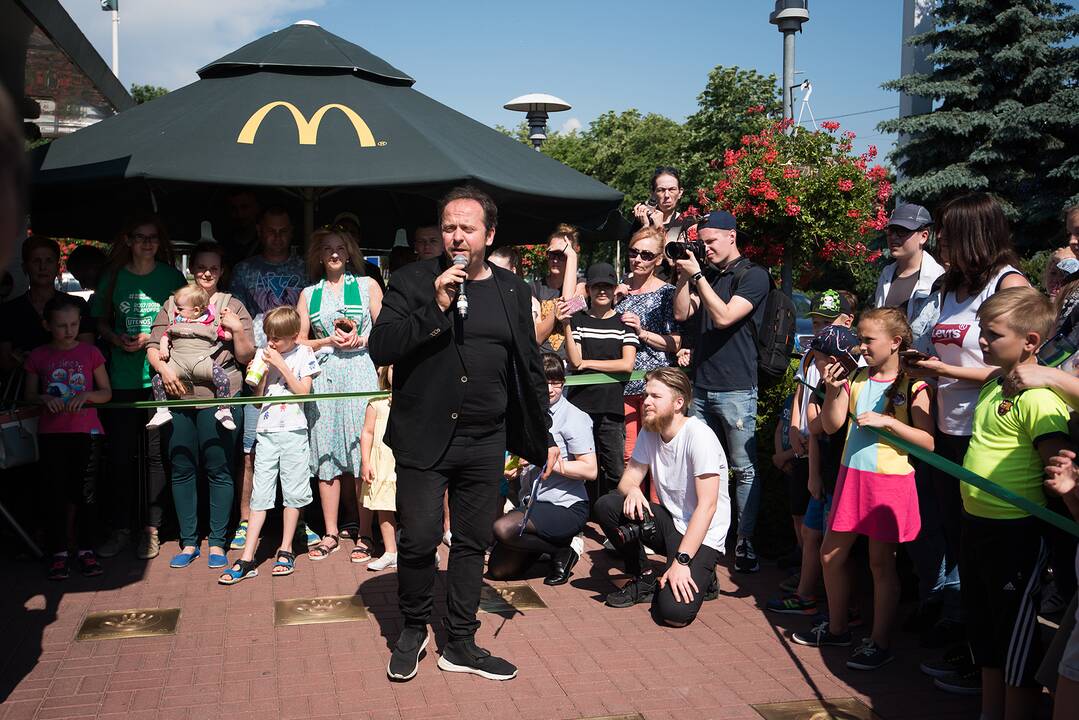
(18, 426)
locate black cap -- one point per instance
(835, 340)
(718, 220)
(601, 273)
(830, 304)
(911, 217)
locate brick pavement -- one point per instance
(577, 658)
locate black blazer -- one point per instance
(415, 336)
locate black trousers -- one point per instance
(132, 494)
(609, 432)
(72, 463)
(472, 471)
(665, 609)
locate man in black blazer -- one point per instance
(466, 387)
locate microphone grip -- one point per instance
(462, 298)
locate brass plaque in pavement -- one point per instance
(634, 716)
(829, 709)
(509, 598)
(119, 624)
(310, 611)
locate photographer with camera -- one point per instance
(661, 209)
(729, 306)
(689, 523)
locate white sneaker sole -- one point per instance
(444, 664)
(402, 678)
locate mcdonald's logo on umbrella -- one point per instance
(307, 131)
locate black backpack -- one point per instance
(775, 336)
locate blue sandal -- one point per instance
(183, 559)
(240, 570)
(285, 560)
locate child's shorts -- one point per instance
(1003, 562)
(817, 513)
(287, 454)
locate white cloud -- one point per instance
(571, 125)
(163, 42)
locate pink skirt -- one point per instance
(881, 507)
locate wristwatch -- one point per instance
(683, 559)
(696, 276)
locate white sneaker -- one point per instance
(388, 560)
(577, 543)
(224, 416)
(161, 417)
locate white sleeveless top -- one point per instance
(955, 341)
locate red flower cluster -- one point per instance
(846, 185)
(830, 125)
(754, 109)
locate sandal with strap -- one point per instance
(286, 561)
(361, 553)
(240, 570)
(322, 550)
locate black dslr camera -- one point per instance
(678, 249)
(643, 531)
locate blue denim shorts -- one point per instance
(817, 512)
(251, 421)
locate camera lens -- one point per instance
(675, 250)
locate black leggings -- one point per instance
(665, 609)
(514, 551)
(71, 462)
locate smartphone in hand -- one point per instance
(575, 304)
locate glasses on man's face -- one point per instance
(646, 255)
(145, 239)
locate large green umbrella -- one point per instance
(304, 110)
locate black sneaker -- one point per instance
(956, 660)
(713, 588)
(405, 658)
(59, 567)
(638, 590)
(968, 682)
(745, 557)
(869, 656)
(463, 656)
(821, 636)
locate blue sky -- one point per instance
(598, 55)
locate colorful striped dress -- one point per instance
(875, 494)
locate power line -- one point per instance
(863, 112)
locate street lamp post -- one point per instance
(788, 17)
(537, 106)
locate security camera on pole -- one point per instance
(788, 17)
(113, 6)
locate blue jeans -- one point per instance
(732, 415)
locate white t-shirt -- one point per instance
(955, 341)
(675, 467)
(276, 417)
(810, 375)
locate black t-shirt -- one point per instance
(600, 339)
(830, 446)
(22, 326)
(485, 342)
(726, 358)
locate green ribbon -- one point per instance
(969, 477)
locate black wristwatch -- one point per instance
(683, 559)
(696, 276)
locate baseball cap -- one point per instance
(830, 304)
(600, 273)
(718, 220)
(834, 341)
(910, 216)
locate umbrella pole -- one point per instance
(308, 213)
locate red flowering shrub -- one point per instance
(801, 190)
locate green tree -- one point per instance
(145, 93)
(1005, 83)
(722, 119)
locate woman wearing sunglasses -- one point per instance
(647, 308)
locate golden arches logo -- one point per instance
(306, 131)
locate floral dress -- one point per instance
(656, 310)
(336, 425)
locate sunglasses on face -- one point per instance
(556, 255)
(646, 255)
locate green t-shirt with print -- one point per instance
(136, 300)
(1004, 447)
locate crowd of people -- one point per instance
(460, 427)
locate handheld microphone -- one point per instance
(462, 298)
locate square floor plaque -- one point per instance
(829, 709)
(119, 624)
(311, 611)
(509, 598)
(634, 716)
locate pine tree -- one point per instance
(1006, 88)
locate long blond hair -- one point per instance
(312, 258)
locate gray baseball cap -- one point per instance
(911, 217)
